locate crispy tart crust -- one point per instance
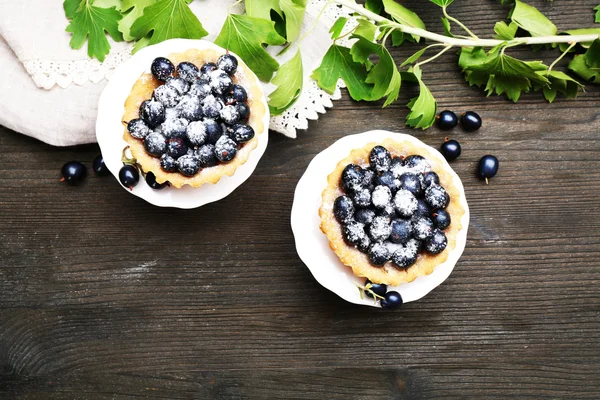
(358, 261)
(142, 90)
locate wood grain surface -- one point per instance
(103, 296)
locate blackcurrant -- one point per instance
(129, 176)
(392, 300)
(73, 173)
(100, 169)
(450, 150)
(162, 68)
(447, 120)
(470, 121)
(488, 167)
(151, 181)
(378, 288)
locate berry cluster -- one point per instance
(378, 291)
(393, 209)
(197, 118)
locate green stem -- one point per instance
(445, 49)
(316, 21)
(457, 22)
(233, 5)
(560, 58)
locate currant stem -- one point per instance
(465, 42)
(457, 22)
(560, 57)
(445, 49)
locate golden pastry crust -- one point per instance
(358, 261)
(142, 90)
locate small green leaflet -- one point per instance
(133, 9)
(412, 59)
(292, 10)
(384, 75)
(338, 63)
(530, 19)
(245, 36)
(374, 5)
(70, 7)
(442, 3)
(262, 8)
(423, 108)
(592, 55)
(504, 31)
(579, 66)
(560, 83)
(289, 81)
(91, 23)
(366, 29)
(167, 19)
(403, 15)
(447, 27)
(338, 27)
(597, 9)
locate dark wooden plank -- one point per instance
(105, 296)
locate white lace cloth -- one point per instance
(73, 81)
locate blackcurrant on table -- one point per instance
(105, 296)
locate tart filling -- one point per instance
(391, 212)
(195, 118)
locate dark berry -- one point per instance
(162, 68)
(379, 254)
(176, 147)
(418, 163)
(378, 288)
(362, 198)
(470, 121)
(411, 182)
(152, 112)
(405, 203)
(208, 68)
(422, 228)
(151, 181)
(401, 231)
(380, 229)
(354, 234)
(200, 89)
(450, 150)
(166, 95)
(436, 197)
(388, 211)
(168, 163)
(225, 149)
(381, 196)
(174, 127)
(196, 133)
(206, 156)
(211, 107)
(138, 128)
(441, 219)
(368, 179)
(430, 178)
(73, 173)
(343, 209)
(188, 165)
(180, 85)
(187, 71)
(238, 94)
(447, 120)
(241, 133)
(406, 255)
(155, 144)
(364, 215)
(391, 301)
(388, 179)
(129, 176)
(352, 178)
(99, 166)
(220, 81)
(423, 210)
(488, 167)
(380, 159)
(228, 63)
(230, 115)
(244, 111)
(214, 130)
(436, 243)
(190, 108)
(397, 166)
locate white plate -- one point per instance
(109, 131)
(313, 246)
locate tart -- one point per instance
(391, 211)
(194, 117)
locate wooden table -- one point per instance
(105, 296)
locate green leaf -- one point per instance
(412, 59)
(108, 4)
(423, 108)
(580, 67)
(338, 27)
(592, 55)
(447, 27)
(338, 63)
(597, 9)
(262, 8)
(384, 75)
(132, 9)
(92, 23)
(442, 3)
(366, 29)
(289, 81)
(403, 15)
(167, 19)
(70, 7)
(532, 20)
(245, 36)
(504, 31)
(397, 38)
(560, 83)
(374, 5)
(503, 74)
(294, 11)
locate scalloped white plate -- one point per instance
(109, 132)
(313, 246)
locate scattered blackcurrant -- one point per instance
(73, 173)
